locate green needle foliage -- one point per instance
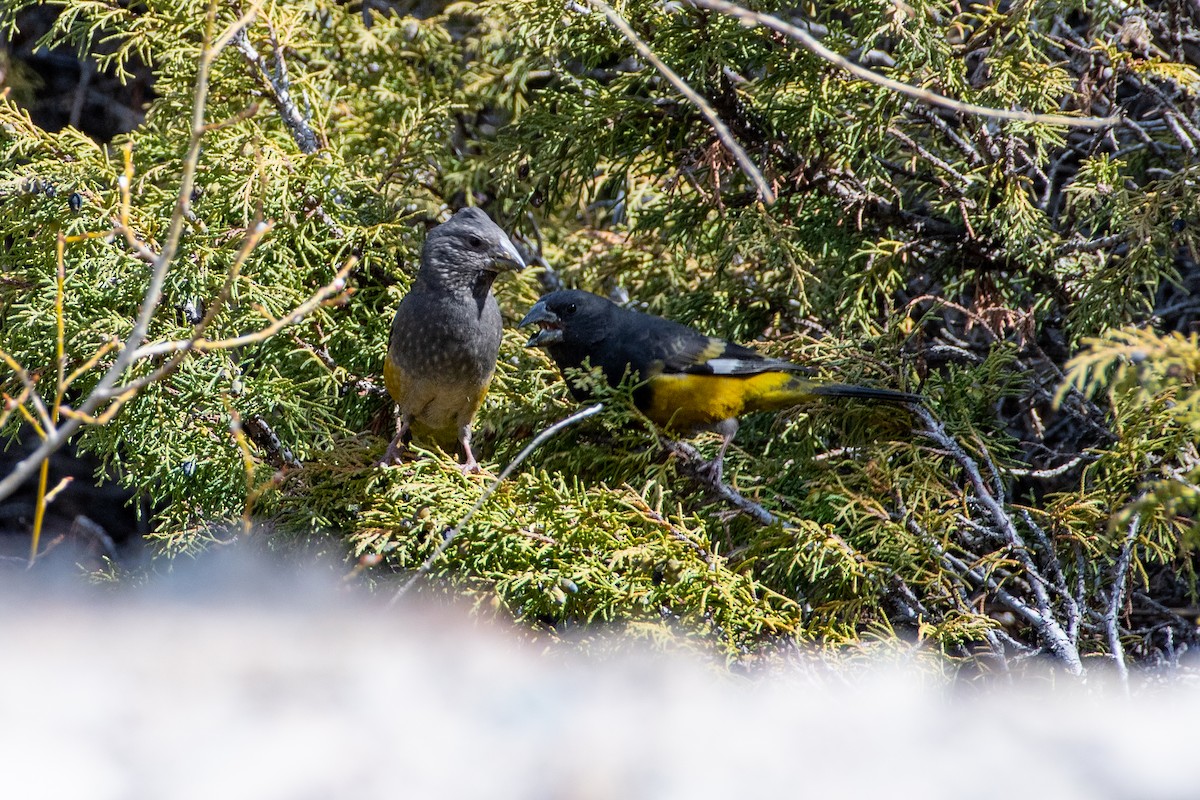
(1043, 506)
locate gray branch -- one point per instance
(1117, 597)
(1041, 614)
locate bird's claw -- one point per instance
(712, 472)
(394, 457)
(470, 468)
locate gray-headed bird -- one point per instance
(446, 334)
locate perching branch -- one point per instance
(695, 465)
(813, 45)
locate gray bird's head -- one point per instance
(467, 244)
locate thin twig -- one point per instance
(364, 386)
(296, 315)
(60, 359)
(1117, 597)
(451, 534)
(85, 528)
(765, 192)
(692, 459)
(280, 86)
(262, 434)
(640, 504)
(43, 415)
(810, 42)
(961, 575)
(1056, 574)
(1043, 619)
(1050, 472)
(963, 182)
(153, 295)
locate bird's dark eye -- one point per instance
(569, 309)
(475, 241)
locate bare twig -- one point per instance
(695, 463)
(87, 69)
(1116, 599)
(363, 386)
(969, 151)
(1050, 557)
(980, 578)
(60, 360)
(1050, 472)
(85, 528)
(280, 87)
(550, 279)
(644, 508)
(453, 533)
(297, 314)
(765, 192)
(162, 261)
(961, 180)
(262, 434)
(1079, 244)
(961, 575)
(1042, 617)
(813, 45)
(43, 423)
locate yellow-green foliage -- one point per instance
(909, 248)
(1149, 472)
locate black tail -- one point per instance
(865, 393)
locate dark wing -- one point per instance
(659, 346)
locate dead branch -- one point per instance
(1041, 615)
(765, 192)
(810, 42)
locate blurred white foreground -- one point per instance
(207, 689)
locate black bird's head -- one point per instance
(466, 245)
(569, 320)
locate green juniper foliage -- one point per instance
(911, 246)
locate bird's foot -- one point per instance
(712, 472)
(397, 451)
(396, 454)
(470, 468)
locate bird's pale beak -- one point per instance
(551, 328)
(506, 256)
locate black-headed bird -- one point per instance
(686, 381)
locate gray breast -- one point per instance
(437, 335)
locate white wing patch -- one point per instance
(729, 365)
(736, 366)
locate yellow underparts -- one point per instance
(438, 407)
(394, 379)
(697, 401)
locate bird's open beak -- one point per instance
(551, 327)
(506, 256)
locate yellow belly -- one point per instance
(686, 402)
(438, 407)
